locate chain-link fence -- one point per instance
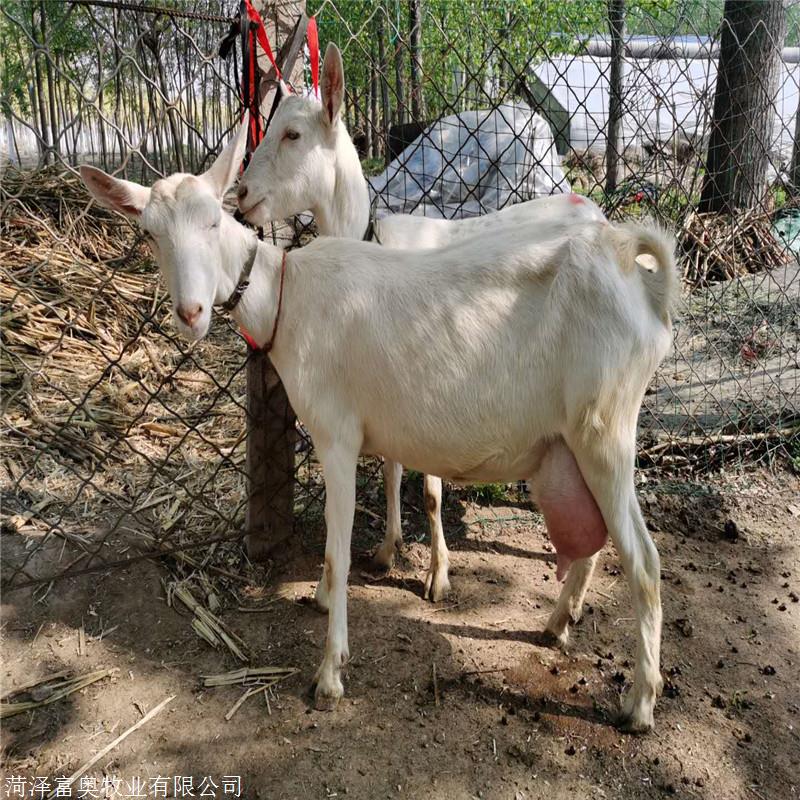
(121, 441)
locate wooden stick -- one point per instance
(721, 438)
(109, 747)
(38, 682)
(68, 687)
(237, 705)
(368, 512)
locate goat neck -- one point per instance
(256, 310)
(345, 213)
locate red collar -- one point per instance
(268, 346)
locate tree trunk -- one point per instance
(51, 96)
(44, 137)
(741, 131)
(383, 66)
(271, 432)
(794, 176)
(400, 109)
(32, 99)
(348, 111)
(415, 25)
(616, 24)
(152, 41)
(189, 121)
(118, 90)
(100, 123)
(374, 139)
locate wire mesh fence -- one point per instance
(121, 441)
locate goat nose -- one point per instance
(241, 192)
(189, 314)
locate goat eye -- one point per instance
(292, 135)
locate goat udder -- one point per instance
(571, 514)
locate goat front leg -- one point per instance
(437, 582)
(339, 467)
(607, 467)
(393, 538)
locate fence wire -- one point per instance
(121, 441)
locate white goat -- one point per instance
(308, 162)
(506, 357)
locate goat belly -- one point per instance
(573, 519)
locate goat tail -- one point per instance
(647, 248)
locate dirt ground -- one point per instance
(514, 719)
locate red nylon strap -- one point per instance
(313, 53)
(261, 33)
(268, 346)
(252, 102)
(251, 342)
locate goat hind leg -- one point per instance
(570, 601)
(392, 476)
(437, 582)
(607, 467)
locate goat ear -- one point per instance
(332, 84)
(125, 197)
(222, 173)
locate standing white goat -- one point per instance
(308, 162)
(514, 355)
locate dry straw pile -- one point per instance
(112, 428)
(718, 247)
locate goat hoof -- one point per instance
(556, 640)
(384, 557)
(324, 702)
(636, 715)
(437, 585)
(631, 723)
(328, 695)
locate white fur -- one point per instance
(320, 171)
(469, 362)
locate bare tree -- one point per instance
(616, 23)
(741, 129)
(415, 25)
(384, 84)
(43, 139)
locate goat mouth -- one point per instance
(246, 213)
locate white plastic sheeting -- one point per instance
(660, 99)
(472, 163)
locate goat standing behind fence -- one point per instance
(519, 354)
(309, 162)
